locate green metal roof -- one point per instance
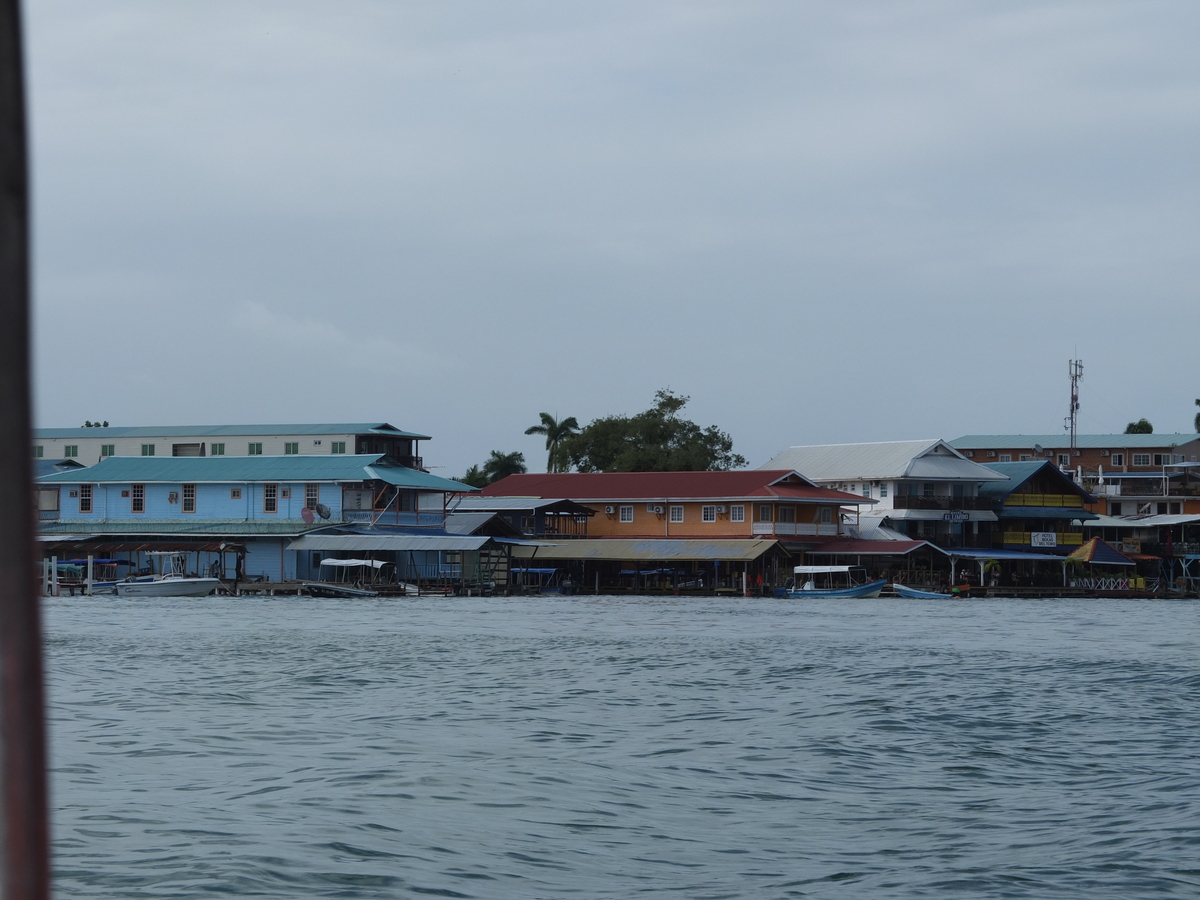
(1021, 472)
(230, 469)
(118, 431)
(1062, 441)
(231, 527)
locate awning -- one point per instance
(873, 548)
(1047, 512)
(403, 543)
(1100, 553)
(1002, 554)
(938, 515)
(618, 550)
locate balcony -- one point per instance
(392, 517)
(1051, 501)
(943, 503)
(1024, 539)
(811, 529)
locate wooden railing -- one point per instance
(1022, 538)
(1046, 500)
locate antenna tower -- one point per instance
(1075, 368)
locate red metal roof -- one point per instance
(744, 484)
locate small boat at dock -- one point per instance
(831, 581)
(903, 590)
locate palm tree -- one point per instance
(555, 432)
(501, 465)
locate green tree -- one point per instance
(656, 440)
(1141, 426)
(474, 477)
(555, 432)
(501, 465)
(1198, 417)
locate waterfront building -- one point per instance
(90, 445)
(1128, 474)
(1039, 508)
(925, 489)
(251, 506)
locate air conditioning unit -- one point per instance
(720, 510)
(968, 453)
(1077, 453)
(658, 510)
(991, 453)
(1104, 453)
(610, 509)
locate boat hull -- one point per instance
(314, 589)
(903, 590)
(168, 587)
(864, 591)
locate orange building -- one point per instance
(781, 505)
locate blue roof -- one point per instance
(51, 466)
(1062, 441)
(120, 431)
(1019, 473)
(1047, 512)
(230, 469)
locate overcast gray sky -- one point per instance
(824, 221)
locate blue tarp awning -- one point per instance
(1002, 554)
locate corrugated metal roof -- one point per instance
(649, 550)
(229, 469)
(932, 460)
(1099, 552)
(1062, 513)
(937, 515)
(334, 543)
(42, 467)
(872, 548)
(175, 527)
(641, 487)
(1062, 441)
(506, 504)
(123, 431)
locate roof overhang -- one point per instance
(938, 515)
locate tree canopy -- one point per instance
(498, 465)
(656, 440)
(1198, 417)
(555, 431)
(1141, 426)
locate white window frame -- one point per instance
(676, 515)
(337, 447)
(312, 495)
(189, 498)
(737, 513)
(137, 498)
(1117, 459)
(1141, 459)
(254, 448)
(765, 513)
(291, 448)
(148, 450)
(70, 451)
(708, 514)
(1005, 457)
(626, 515)
(216, 449)
(270, 499)
(826, 515)
(85, 498)
(1064, 460)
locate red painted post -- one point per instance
(24, 832)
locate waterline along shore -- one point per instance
(352, 509)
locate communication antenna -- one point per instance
(1075, 368)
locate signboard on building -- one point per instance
(956, 515)
(1043, 539)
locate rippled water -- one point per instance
(618, 747)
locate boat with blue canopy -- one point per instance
(831, 581)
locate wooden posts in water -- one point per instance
(24, 833)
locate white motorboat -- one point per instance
(170, 583)
(831, 581)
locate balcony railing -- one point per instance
(1056, 501)
(391, 517)
(812, 529)
(1024, 539)
(943, 503)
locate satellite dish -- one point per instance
(323, 511)
(1038, 448)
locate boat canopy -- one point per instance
(818, 570)
(373, 563)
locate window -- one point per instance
(764, 512)
(71, 451)
(826, 515)
(1025, 457)
(927, 488)
(1005, 457)
(235, 493)
(1114, 509)
(1162, 509)
(216, 449)
(626, 511)
(866, 490)
(285, 493)
(85, 498)
(270, 498)
(137, 498)
(676, 513)
(708, 514)
(1064, 460)
(340, 447)
(737, 513)
(108, 450)
(291, 449)
(883, 490)
(312, 495)
(39, 451)
(147, 449)
(254, 449)
(189, 498)
(1174, 510)
(787, 514)
(1118, 459)
(1141, 459)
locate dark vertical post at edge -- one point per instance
(24, 834)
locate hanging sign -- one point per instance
(1043, 539)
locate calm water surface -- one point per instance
(620, 747)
